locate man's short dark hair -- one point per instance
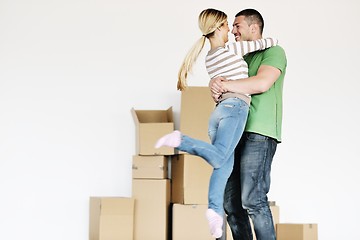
(252, 16)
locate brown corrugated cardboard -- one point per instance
(150, 126)
(294, 231)
(152, 198)
(150, 167)
(196, 107)
(275, 211)
(111, 218)
(189, 222)
(190, 179)
(228, 232)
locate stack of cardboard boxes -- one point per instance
(151, 183)
(190, 174)
(170, 189)
(187, 193)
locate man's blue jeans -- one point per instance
(226, 125)
(247, 188)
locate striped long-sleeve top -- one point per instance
(228, 62)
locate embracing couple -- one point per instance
(245, 127)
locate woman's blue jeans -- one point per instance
(247, 188)
(226, 125)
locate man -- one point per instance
(247, 187)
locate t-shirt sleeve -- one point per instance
(275, 57)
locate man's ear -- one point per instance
(254, 28)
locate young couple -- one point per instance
(245, 126)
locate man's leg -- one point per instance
(256, 157)
(237, 217)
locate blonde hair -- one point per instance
(209, 20)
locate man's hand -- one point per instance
(215, 97)
(216, 85)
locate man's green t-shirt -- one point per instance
(265, 115)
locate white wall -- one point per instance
(71, 70)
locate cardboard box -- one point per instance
(189, 222)
(151, 209)
(293, 231)
(196, 108)
(111, 218)
(150, 126)
(190, 179)
(150, 167)
(275, 211)
(228, 232)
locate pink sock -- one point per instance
(215, 223)
(170, 140)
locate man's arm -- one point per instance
(261, 82)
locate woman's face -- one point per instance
(225, 30)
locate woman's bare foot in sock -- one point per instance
(170, 140)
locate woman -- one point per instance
(227, 121)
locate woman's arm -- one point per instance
(244, 47)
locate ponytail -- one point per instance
(188, 63)
(209, 20)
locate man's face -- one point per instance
(241, 29)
